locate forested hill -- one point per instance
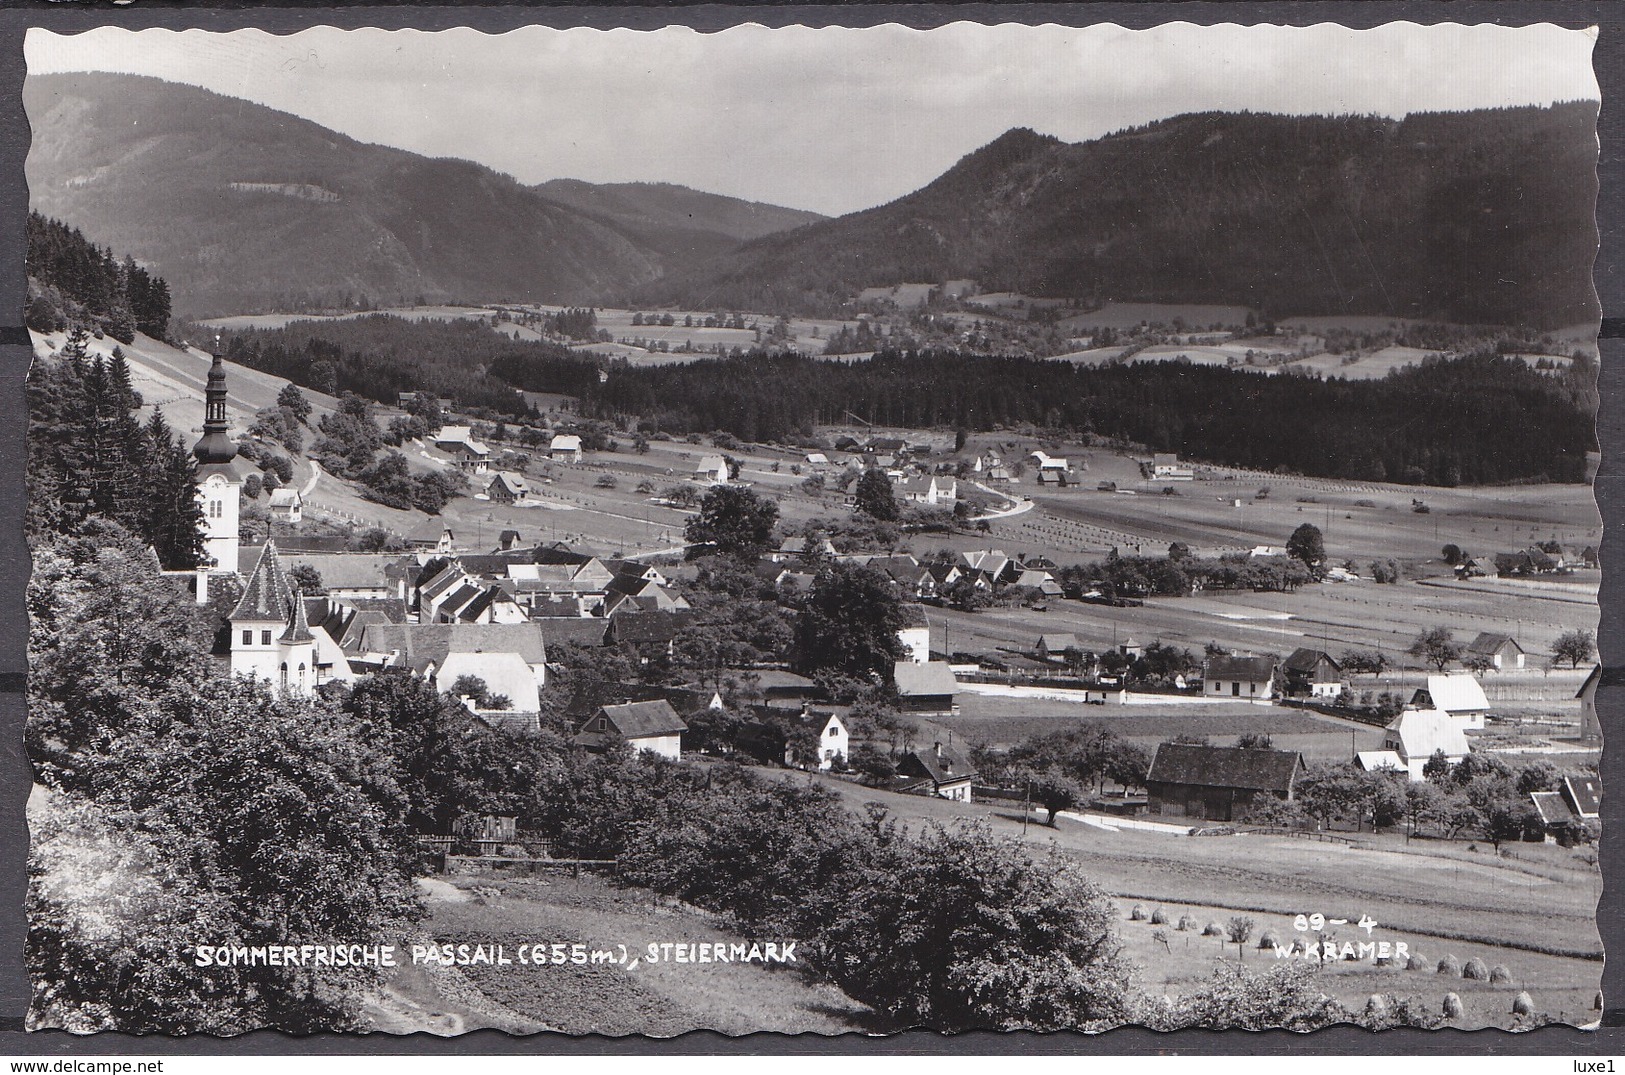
(244, 208)
(1477, 217)
(1475, 420)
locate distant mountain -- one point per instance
(243, 208)
(1482, 216)
(682, 223)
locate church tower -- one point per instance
(220, 484)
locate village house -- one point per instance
(564, 448)
(1218, 783)
(778, 688)
(427, 648)
(1055, 647)
(271, 636)
(931, 491)
(1049, 463)
(796, 547)
(649, 636)
(653, 726)
(1590, 727)
(938, 771)
(712, 469)
(1576, 804)
(1312, 672)
(459, 443)
(915, 635)
(767, 741)
(1501, 651)
(1416, 734)
(506, 487)
(1252, 678)
(1166, 467)
(1456, 693)
(286, 505)
(432, 534)
(360, 574)
(925, 689)
(506, 676)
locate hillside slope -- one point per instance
(244, 208)
(1474, 217)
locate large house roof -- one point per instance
(1245, 669)
(1551, 807)
(504, 673)
(640, 720)
(1584, 794)
(575, 630)
(1420, 733)
(349, 571)
(650, 627)
(923, 680)
(1457, 692)
(942, 765)
(432, 641)
(1304, 660)
(1225, 767)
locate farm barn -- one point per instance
(1218, 783)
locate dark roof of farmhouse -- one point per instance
(650, 627)
(639, 720)
(1305, 660)
(1255, 669)
(432, 641)
(1225, 767)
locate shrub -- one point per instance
(1475, 970)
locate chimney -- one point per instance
(938, 747)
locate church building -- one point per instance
(220, 483)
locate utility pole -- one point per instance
(1026, 807)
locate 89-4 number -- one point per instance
(1317, 922)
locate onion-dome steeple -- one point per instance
(215, 446)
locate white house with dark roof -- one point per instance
(927, 688)
(712, 469)
(1250, 678)
(645, 726)
(503, 673)
(1500, 650)
(287, 505)
(271, 636)
(939, 772)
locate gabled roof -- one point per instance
(432, 641)
(285, 497)
(348, 570)
(1225, 767)
(1419, 733)
(574, 630)
(266, 593)
(1245, 669)
(914, 616)
(1593, 678)
(931, 679)
(711, 464)
(1375, 761)
(1551, 808)
(1056, 642)
(1584, 795)
(649, 627)
(640, 720)
(1490, 642)
(565, 442)
(1305, 660)
(1457, 692)
(939, 764)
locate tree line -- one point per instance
(89, 456)
(72, 281)
(381, 356)
(1475, 419)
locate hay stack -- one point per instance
(1137, 914)
(1452, 1006)
(1475, 970)
(1416, 962)
(1213, 929)
(1499, 974)
(1450, 965)
(1186, 922)
(1523, 1004)
(1159, 917)
(1268, 939)
(1376, 1006)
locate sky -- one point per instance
(829, 119)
